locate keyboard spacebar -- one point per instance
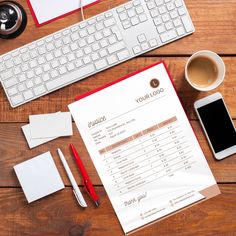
(70, 77)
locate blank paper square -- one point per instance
(39, 177)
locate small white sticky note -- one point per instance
(39, 177)
(51, 125)
(34, 142)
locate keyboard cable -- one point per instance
(82, 10)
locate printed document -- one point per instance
(143, 147)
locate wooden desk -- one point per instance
(59, 214)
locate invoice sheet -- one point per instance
(143, 147)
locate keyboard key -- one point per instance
(141, 38)
(139, 10)
(100, 64)
(100, 17)
(54, 64)
(154, 13)
(170, 6)
(107, 32)
(126, 24)
(128, 6)
(173, 14)
(86, 60)
(123, 55)
(95, 47)
(74, 36)
(131, 13)
(116, 47)
(83, 33)
(49, 56)
(153, 42)
(98, 36)
(169, 25)
(62, 70)
(177, 22)
(136, 49)
(112, 59)
(168, 36)
(78, 63)
(103, 53)
(134, 21)
(94, 56)
(46, 67)
(90, 39)
(108, 14)
(181, 11)
(91, 29)
(136, 2)
(33, 63)
(46, 77)
(142, 17)
(17, 99)
(87, 50)
(17, 61)
(104, 43)
(120, 9)
(159, 2)
(6, 75)
(123, 16)
(37, 80)
(12, 91)
(112, 40)
(28, 94)
(70, 77)
(16, 71)
(161, 29)
(180, 31)
(29, 84)
(145, 46)
(22, 78)
(92, 21)
(30, 74)
(165, 17)
(39, 90)
(178, 3)
(151, 5)
(157, 21)
(109, 22)
(10, 82)
(21, 87)
(187, 23)
(79, 53)
(54, 73)
(58, 53)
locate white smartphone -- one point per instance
(217, 125)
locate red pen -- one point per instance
(86, 181)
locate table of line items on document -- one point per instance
(147, 156)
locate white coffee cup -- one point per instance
(217, 61)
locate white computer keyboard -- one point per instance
(93, 45)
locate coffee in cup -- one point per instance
(205, 70)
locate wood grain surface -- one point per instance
(59, 214)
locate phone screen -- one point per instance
(218, 125)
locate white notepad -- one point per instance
(39, 177)
(42, 13)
